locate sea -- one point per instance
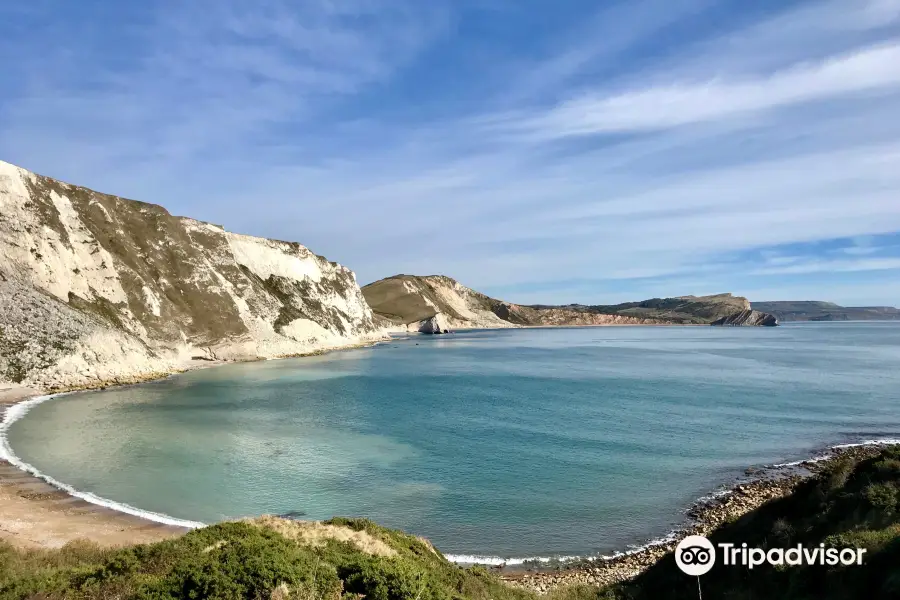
(498, 446)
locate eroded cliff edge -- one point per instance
(97, 288)
(436, 303)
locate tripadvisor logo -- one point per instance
(696, 555)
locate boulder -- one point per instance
(434, 325)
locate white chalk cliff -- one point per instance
(98, 289)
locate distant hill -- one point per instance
(811, 310)
(436, 303)
(692, 310)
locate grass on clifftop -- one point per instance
(267, 559)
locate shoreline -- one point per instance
(37, 511)
(61, 513)
(72, 514)
(757, 487)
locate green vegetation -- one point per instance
(686, 310)
(853, 504)
(251, 560)
(410, 298)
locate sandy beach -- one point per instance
(34, 514)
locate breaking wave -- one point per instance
(16, 412)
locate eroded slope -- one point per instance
(89, 279)
(436, 303)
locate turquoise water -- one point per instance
(508, 443)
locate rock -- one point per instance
(434, 325)
(98, 288)
(407, 301)
(749, 318)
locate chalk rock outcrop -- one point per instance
(412, 302)
(98, 288)
(436, 324)
(753, 318)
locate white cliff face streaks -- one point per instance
(431, 304)
(436, 303)
(95, 288)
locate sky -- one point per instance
(540, 152)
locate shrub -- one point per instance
(400, 578)
(837, 475)
(782, 532)
(872, 540)
(882, 496)
(888, 468)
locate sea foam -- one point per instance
(16, 412)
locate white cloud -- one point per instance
(834, 266)
(282, 119)
(685, 103)
(203, 83)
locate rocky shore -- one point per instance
(758, 487)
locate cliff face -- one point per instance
(94, 287)
(564, 316)
(686, 310)
(827, 311)
(435, 303)
(431, 304)
(753, 318)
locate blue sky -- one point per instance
(540, 151)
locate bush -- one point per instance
(888, 468)
(871, 540)
(229, 561)
(396, 579)
(782, 532)
(882, 496)
(248, 565)
(837, 475)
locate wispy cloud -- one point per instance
(834, 266)
(582, 153)
(682, 103)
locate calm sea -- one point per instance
(512, 443)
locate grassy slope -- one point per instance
(391, 299)
(687, 310)
(852, 504)
(242, 560)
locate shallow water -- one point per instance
(505, 443)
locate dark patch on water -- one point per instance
(295, 515)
